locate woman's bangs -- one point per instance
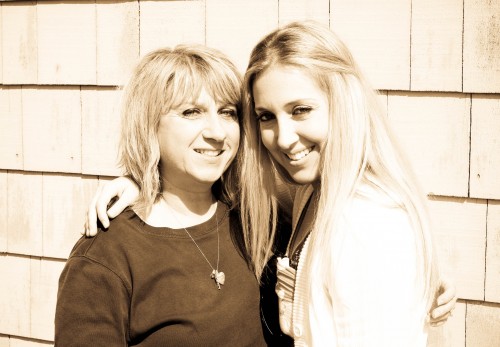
(183, 88)
(224, 87)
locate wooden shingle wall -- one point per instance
(436, 63)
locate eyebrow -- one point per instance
(291, 103)
(260, 109)
(228, 104)
(205, 105)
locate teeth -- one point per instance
(299, 155)
(209, 152)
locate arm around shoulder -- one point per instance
(122, 188)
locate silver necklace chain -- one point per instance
(203, 254)
(218, 277)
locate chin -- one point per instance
(304, 179)
(304, 182)
(209, 178)
(206, 180)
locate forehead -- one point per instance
(285, 83)
(201, 98)
(195, 86)
(200, 95)
(205, 100)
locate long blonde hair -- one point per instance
(360, 151)
(163, 80)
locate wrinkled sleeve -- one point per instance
(377, 299)
(92, 306)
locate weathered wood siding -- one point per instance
(62, 63)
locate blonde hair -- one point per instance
(360, 151)
(163, 80)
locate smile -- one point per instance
(209, 152)
(299, 155)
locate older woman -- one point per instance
(174, 275)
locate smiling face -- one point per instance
(293, 116)
(198, 141)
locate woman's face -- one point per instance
(293, 116)
(198, 141)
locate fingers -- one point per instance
(118, 206)
(127, 192)
(85, 229)
(103, 197)
(91, 223)
(448, 295)
(106, 192)
(443, 310)
(440, 322)
(436, 322)
(90, 228)
(445, 304)
(442, 313)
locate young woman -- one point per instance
(174, 275)
(361, 240)
(360, 268)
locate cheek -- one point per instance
(232, 141)
(233, 133)
(267, 137)
(165, 147)
(321, 135)
(162, 141)
(316, 130)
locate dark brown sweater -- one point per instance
(137, 285)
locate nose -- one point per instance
(286, 133)
(214, 129)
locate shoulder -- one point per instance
(120, 230)
(375, 217)
(111, 248)
(377, 242)
(378, 232)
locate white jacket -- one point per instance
(374, 299)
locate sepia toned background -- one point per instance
(435, 62)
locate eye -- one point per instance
(228, 112)
(265, 117)
(191, 113)
(301, 110)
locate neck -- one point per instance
(188, 200)
(188, 204)
(180, 208)
(317, 185)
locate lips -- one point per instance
(210, 152)
(299, 155)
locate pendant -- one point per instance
(219, 278)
